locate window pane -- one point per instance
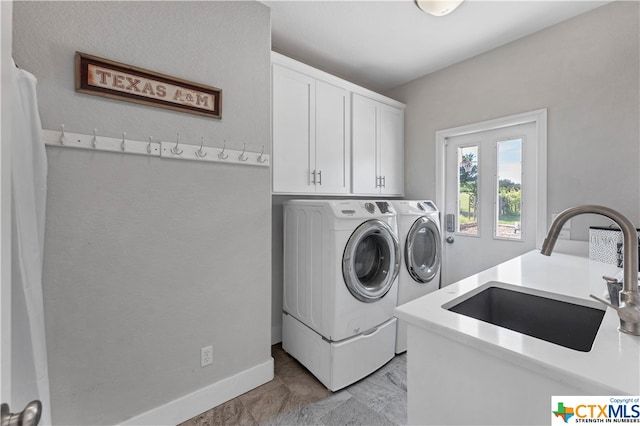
(509, 205)
(468, 190)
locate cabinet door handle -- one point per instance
(378, 180)
(384, 181)
(320, 177)
(313, 181)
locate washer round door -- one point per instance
(371, 261)
(422, 250)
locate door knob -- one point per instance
(450, 240)
(30, 416)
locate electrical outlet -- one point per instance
(206, 356)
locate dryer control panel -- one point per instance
(427, 206)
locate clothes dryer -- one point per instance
(341, 261)
(421, 248)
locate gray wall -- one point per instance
(585, 71)
(148, 260)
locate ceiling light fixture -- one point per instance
(438, 7)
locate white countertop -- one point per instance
(614, 360)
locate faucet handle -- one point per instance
(627, 313)
(604, 302)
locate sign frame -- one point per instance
(115, 80)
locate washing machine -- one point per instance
(341, 262)
(421, 252)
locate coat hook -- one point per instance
(122, 144)
(176, 149)
(261, 159)
(63, 138)
(222, 154)
(201, 153)
(94, 141)
(242, 156)
(149, 145)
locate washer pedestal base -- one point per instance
(339, 364)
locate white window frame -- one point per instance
(539, 117)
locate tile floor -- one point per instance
(296, 397)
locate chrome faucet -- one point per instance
(629, 309)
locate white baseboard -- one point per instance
(188, 406)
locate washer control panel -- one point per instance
(384, 207)
(364, 209)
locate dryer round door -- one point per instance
(422, 250)
(371, 261)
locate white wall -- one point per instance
(148, 260)
(585, 71)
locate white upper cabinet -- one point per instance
(378, 147)
(364, 142)
(332, 153)
(293, 130)
(310, 134)
(391, 149)
(322, 144)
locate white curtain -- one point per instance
(30, 376)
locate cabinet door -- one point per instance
(391, 149)
(364, 141)
(332, 155)
(293, 130)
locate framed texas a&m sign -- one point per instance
(115, 80)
